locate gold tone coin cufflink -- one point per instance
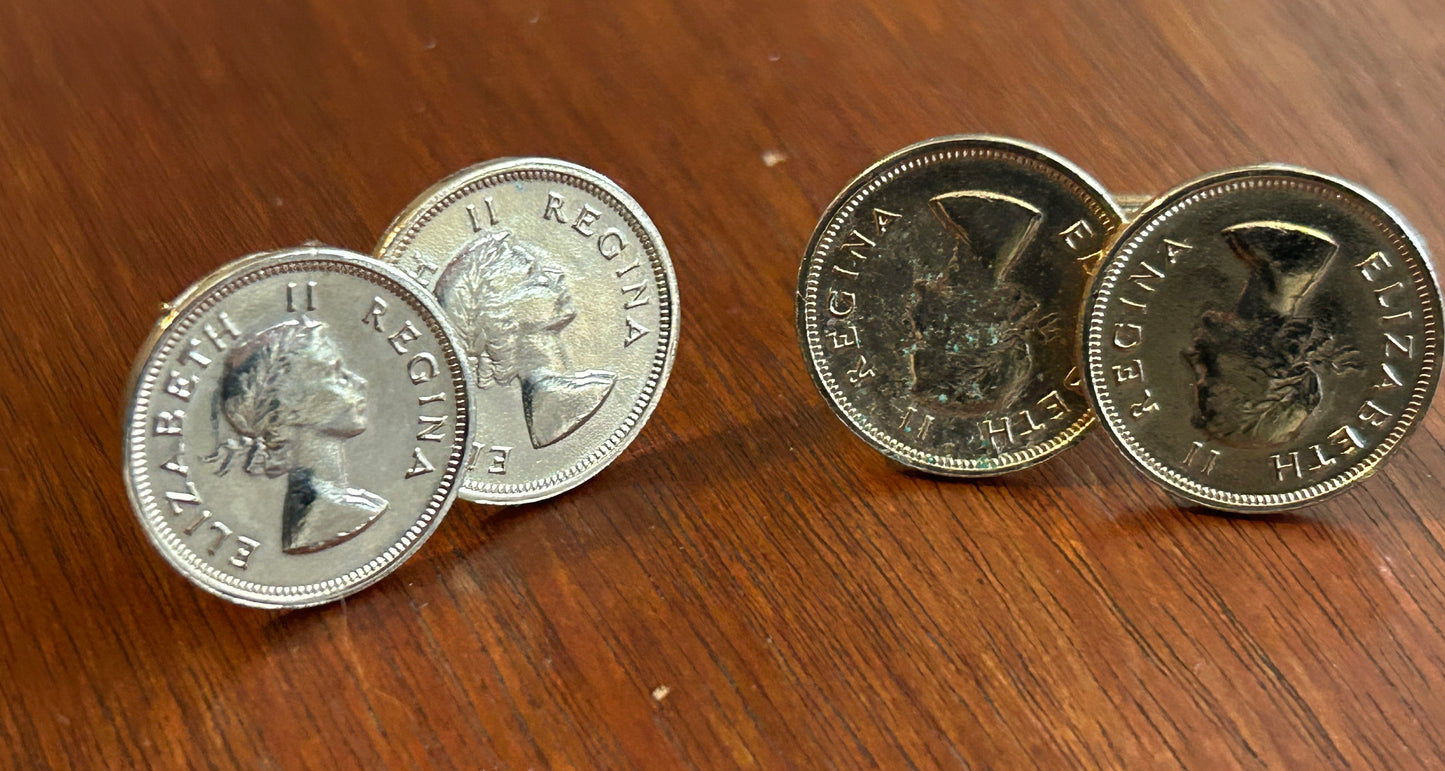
(939, 301)
(1262, 338)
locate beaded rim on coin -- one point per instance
(145, 379)
(930, 151)
(1410, 248)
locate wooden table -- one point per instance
(749, 585)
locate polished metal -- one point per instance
(296, 427)
(1262, 338)
(565, 302)
(939, 301)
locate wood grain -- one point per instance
(748, 585)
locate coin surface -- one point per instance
(939, 301)
(1261, 338)
(565, 303)
(297, 426)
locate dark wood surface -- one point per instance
(749, 585)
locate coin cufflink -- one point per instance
(565, 303)
(1255, 340)
(1261, 338)
(298, 424)
(939, 300)
(301, 420)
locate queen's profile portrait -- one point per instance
(291, 404)
(973, 330)
(508, 302)
(1261, 367)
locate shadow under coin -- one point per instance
(756, 453)
(1091, 464)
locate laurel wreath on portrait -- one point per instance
(471, 297)
(255, 411)
(1305, 351)
(1016, 319)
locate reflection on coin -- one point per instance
(297, 426)
(1263, 337)
(939, 301)
(564, 301)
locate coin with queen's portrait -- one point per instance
(938, 303)
(297, 427)
(565, 304)
(1262, 338)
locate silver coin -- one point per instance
(297, 426)
(1262, 338)
(564, 300)
(939, 300)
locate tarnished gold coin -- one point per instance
(1264, 337)
(939, 301)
